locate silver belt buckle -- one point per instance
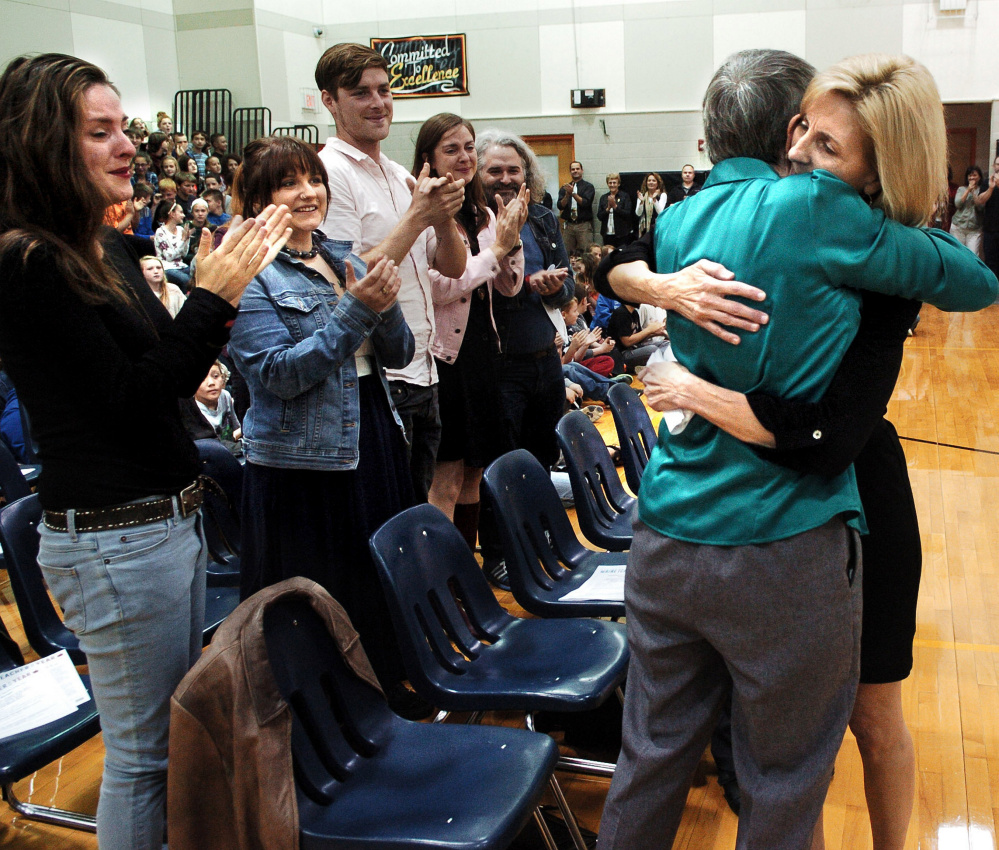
(189, 490)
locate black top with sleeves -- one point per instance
(101, 383)
(825, 437)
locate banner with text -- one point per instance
(425, 65)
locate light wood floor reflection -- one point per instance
(946, 408)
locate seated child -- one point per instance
(210, 413)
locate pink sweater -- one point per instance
(451, 294)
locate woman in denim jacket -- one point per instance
(326, 460)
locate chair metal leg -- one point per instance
(48, 814)
(567, 815)
(586, 767)
(542, 825)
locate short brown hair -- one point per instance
(266, 162)
(342, 65)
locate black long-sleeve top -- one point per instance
(823, 437)
(101, 383)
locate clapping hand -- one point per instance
(379, 288)
(247, 249)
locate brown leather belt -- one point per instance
(137, 513)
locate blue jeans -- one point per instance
(594, 386)
(135, 598)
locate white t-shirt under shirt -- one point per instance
(367, 200)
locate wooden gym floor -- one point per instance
(946, 409)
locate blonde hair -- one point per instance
(163, 295)
(899, 108)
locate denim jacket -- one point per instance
(547, 233)
(294, 341)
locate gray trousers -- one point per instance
(781, 623)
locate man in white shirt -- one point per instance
(379, 207)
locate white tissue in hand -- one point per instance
(676, 420)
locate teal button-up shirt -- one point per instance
(808, 241)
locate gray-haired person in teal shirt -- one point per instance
(744, 574)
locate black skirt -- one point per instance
(892, 558)
(313, 523)
(469, 405)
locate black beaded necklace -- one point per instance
(301, 255)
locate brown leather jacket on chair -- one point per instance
(230, 783)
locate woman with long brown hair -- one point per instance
(467, 340)
(87, 344)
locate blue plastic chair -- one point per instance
(367, 778)
(12, 483)
(544, 558)
(221, 514)
(23, 754)
(603, 508)
(43, 625)
(635, 432)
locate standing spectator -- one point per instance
(686, 188)
(989, 201)
(376, 206)
(616, 213)
(101, 366)
(164, 123)
(326, 457)
(199, 143)
(575, 203)
(650, 202)
(528, 371)
(466, 339)
(966, 223)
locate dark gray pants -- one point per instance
(782, 621)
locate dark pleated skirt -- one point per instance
(316, 524)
